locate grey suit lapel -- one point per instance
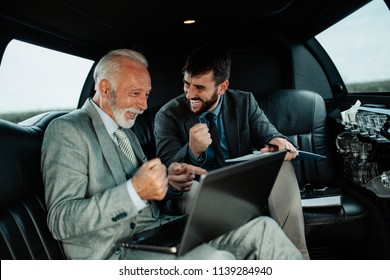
(106, 144)
(230, 122)
(194, 119)
(191, 120)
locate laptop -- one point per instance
(226, 199)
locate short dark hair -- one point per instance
(209, 58)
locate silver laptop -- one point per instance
(226, 199)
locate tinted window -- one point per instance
(359, 45)
(35, 79)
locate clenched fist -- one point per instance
(200, 138)
(151, 181)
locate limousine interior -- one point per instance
(279, 53)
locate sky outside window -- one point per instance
(33, 78)
(359, 45)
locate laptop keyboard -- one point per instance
(169, 234)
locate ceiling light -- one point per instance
(189, 21)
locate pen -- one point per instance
(288, 150)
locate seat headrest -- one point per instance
(294, 111)
(20, 150)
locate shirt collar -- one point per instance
(108, 122)
(216, 110)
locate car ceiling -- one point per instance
(126, 23)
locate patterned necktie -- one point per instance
(215, 138)
(125, 146)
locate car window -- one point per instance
(359, 45)
(34, 79)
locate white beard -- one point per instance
(119, 115)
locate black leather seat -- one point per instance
(23, 230)
(144, 129)
(301, 115)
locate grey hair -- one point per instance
(110, 64)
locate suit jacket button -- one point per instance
(117, 250)
(132, 225)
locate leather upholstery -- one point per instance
(301, 115)
(144, 129)
(23, 229)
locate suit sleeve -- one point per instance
(171, 136)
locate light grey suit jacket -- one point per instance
(85, 175)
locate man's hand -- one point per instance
(200, 138)
(278, 143)
(151, 181)
(181, 175)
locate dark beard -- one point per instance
(207, 104)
